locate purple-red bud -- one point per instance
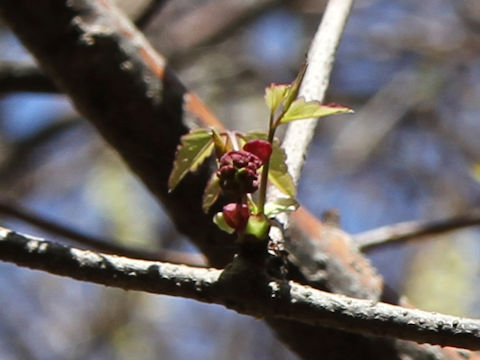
(260, 148)
(238, 173)
(240, 159)
(236, 215)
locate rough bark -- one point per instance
(245, 287)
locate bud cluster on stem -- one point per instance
(238, 175)
(244, 171)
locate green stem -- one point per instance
(264, 181)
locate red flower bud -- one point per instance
(236, 215)
(240, 159)
(238, 173)
(261, 148)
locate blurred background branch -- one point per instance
(412, 230)
(109, 246)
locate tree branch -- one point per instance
(208, 23)
(242, 288)
(149, 13)
(321, 56)
(307, 234)
(27, 77)
(409, 230)
(24, 77)
(123, 87)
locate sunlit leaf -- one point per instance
(219, 220)
(274, 95)
(278, 173)
(294, 87)
(211, 193)
(282, 95)
(195, 147)
(280, 205)
(256, 134)
(219, 143)
(300, 109)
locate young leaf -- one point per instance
(279, 206)
(300, 109)
(256, 134)
(211, 193)
(195, 147)
(219, 143)
(294, 87)
(219, 220)
(274, 95)
(278, 173)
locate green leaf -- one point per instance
(219, 220)
(282, 95)
(295, 87)
(211, 193)
(279, 206)
(195, 147)
(256, 134)
(278, 173)
(274, 95)
(219, 143)
(300, 109)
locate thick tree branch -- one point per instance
(242, 288)
(121, 85)
(414, 229)
(27, 77)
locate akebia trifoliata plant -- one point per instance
(246, 162)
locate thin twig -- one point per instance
(106, 245)
(21, 151)
(357, 141)
(409, 230)
(24, 77)
(260, 296)
(150, 11)
(202, 26)
(321, 55)
(315, 82)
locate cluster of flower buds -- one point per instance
(238, 174)
(238, 170)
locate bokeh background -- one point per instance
(411, 71)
